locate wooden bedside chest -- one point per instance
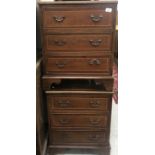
(78, 44)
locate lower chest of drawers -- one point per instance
(79, 119)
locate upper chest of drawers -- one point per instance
(78, 15)
(78, 37)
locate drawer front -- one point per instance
(78, 120)
(78, 18)
(77, 137)
(78, 103)
(79, 64)
(78, 42)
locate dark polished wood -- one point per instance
(72, 137)
(68, 17)
(41, 114)
(78, 121)
(79, 102)
(93, 150)
(76, 65)
(77, 15)
(78, 39)
(77, 28)
(76, 42)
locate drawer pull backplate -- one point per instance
(95, 43)
(94, 104)
(95, 121)
(64, 121)
(94, 62)
(61, 64)
(93, 137)
(96, 18)
(59, 18)
(59, 42)
(64, 103)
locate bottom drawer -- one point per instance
(77, 137)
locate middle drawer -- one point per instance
(78, 120)
(76, 42)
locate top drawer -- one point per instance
(78, 17)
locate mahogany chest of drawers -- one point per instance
(78, 39)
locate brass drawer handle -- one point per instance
(59, 18)
(61, 64)
(59, 42)
(95, 121)
(93, 137)
(64, 121)
(95, 43)
(64, 103)
(94, 62)
(96, 18)
(95, 104)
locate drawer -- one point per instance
(77, 137)
(81, 102)
(78, 42)
(59, 65)
(78, 120)
(78, 17)
(54, 83)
